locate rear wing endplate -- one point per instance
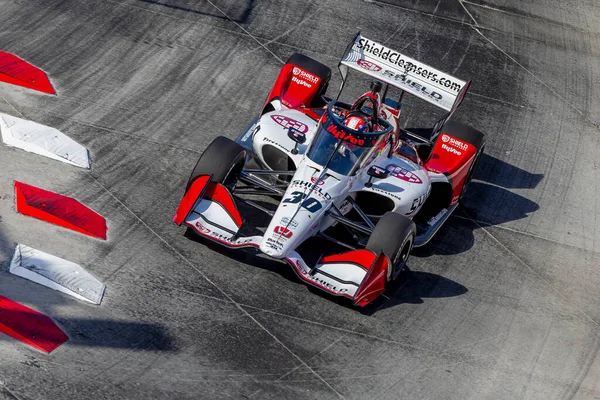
(403, 72)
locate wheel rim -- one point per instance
(402, 255)
(230, 179)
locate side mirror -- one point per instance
(377, 173)
(296, 136)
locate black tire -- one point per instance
(394, 234)
(223, 159)
(315, 68)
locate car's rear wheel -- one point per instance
(223, 159)
(394, 235)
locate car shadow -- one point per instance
(412, 287)
(500, 173)
(487, 202)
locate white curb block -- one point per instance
(56, 273)
(43, 140)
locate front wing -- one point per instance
(209, 209)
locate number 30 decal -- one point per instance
(312, 205)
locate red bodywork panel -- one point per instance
(29, 326)
(190, 197)
(17, 71)
(203, 188)
(452, 157)
(59, 210)
(294, 87)
(361, 257)
(374, 283)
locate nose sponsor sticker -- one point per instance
(283, 231)
(404, 174)
(288, 122)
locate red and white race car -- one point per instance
(343, 172)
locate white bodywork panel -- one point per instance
(406, 73)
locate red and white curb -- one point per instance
(43, 140)
(59, 210)
(29, 326)
(56, 273)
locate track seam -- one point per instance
(246, 32)
(541, 277)
(238, 305)
(348, 332)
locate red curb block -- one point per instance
(30, 326)
(59, 210)
(17, 71)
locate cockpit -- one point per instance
(344, 145)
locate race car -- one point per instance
(344, 172)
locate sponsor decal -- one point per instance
(300, 268)
(317, 190)
(395, 58)
(368, 65)
(386, 193)
(315, 181)
(283, 231)
(391, 75)
(250, 133)
(435, 219)
(451, 149)
(347, 136)
(274, 143)
(305, 75)
(274, 244)
(350, 136)
(301, 82)
(404, 174)
(202, 228)
(288, 122)
(222, 237)
(290, 224)
(454, 142)
(328, 285)
(345, 207)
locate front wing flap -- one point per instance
(360, 275)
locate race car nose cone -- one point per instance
(271, 248)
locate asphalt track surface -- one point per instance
(504, 303)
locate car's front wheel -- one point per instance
(394, 235)
(223, 159)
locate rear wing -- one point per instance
(403, 72)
